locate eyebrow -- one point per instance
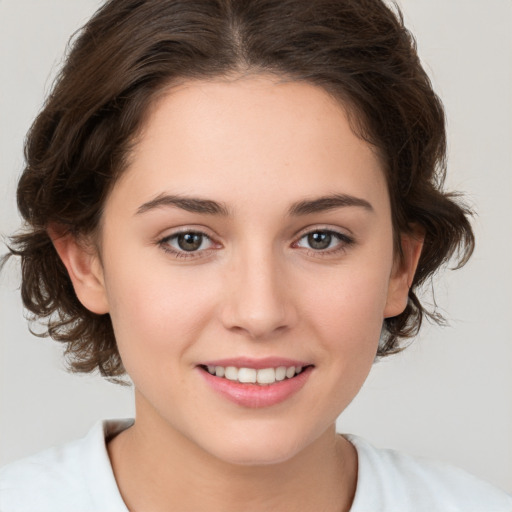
(325, 203)
(190, 204)
(209, 207)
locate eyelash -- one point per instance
(177, 253)
(344, 241)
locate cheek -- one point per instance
(344, 318)
(348, 304)
(154, 313)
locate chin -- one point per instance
(254, 447)
(255, 455)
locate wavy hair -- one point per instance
(131, 50)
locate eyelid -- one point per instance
(185, 228)
(162, 242)
(345, 240)
(342, 232)
(326, 226)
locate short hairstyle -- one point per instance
(358, 51)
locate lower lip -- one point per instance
(255, 395)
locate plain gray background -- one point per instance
(449, 396)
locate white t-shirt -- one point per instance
(78, 477)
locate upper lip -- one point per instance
(257, 364)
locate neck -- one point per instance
(157, 468)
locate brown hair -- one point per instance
(357, 50)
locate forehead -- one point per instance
(254, 137)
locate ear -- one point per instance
(403, 273)
(84, 268)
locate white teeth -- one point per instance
(266, 376)
(281, 373)
(247, 375)
(252, 376)
(231, 373)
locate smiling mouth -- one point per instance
(262, 376)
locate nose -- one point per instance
(258, 300)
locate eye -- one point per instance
(186, 242)
(324, 240)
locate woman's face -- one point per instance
(251, 229)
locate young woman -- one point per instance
(234, 203)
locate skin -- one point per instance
(255, 288)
